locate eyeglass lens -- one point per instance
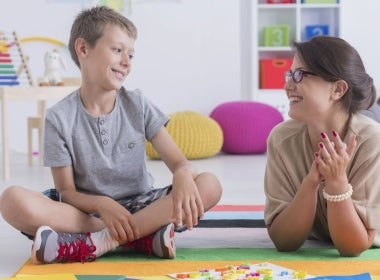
(297, 75)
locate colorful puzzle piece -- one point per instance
(261, 271)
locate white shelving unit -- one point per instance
(296, 15)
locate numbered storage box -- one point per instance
(320, 1)
(316, 30)
(276, 36)
(272, 72)
(279, 1)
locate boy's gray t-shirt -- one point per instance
(107, 153)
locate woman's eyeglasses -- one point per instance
(297, 75)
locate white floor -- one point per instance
(240, 175)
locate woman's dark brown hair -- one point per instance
(334, 59)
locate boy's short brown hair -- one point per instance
(90, 24)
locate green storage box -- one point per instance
(276, 36)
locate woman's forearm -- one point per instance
(292, 226)
(347, 230)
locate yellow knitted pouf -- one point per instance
(198, 136)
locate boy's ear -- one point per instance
(80, 47)
(340, 89)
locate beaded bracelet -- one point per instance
(338, 197)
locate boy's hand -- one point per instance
(119, 221)
(187, 203)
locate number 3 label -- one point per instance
(277, 37)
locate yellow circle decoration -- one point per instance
(43, 39)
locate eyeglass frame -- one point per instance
(303, 73)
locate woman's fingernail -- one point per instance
(334, 133)
(323, 135)
(321, 145)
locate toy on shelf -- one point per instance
(14, 69)
(53, 64)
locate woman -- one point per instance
(321, 179)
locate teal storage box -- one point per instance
(276, 36)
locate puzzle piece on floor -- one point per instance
(260, 271)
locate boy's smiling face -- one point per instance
(108, 63)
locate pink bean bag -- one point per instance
(245, 125)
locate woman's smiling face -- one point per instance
(309, 99)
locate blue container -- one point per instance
(316, 30)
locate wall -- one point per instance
(187, 52)
(360, 22)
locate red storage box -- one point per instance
(279, 1)
(272, 72)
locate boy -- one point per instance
(95, 146)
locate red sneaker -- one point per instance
(161, 243)
(52, 247)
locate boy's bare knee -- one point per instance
(9, 194)
(210, 188)
(10, 198)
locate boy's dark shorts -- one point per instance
(132, 204)
(53, 194)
